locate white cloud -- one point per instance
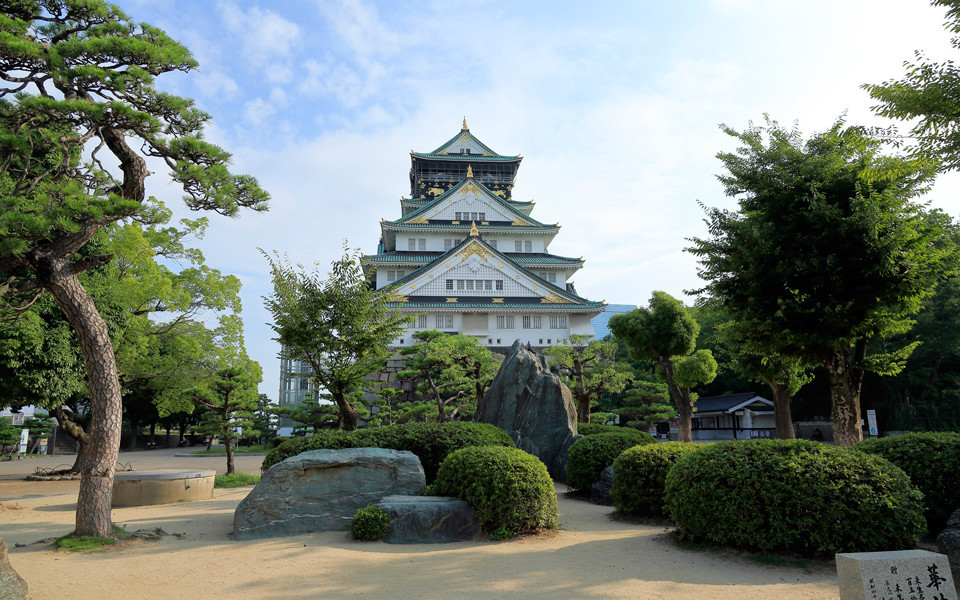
(265, 34)
(258, 111)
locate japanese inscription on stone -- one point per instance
(899, 575)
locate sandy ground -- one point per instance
(592, 556)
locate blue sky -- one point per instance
(615, 107)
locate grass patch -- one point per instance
(91, 543)
(235, 480)
(255, 449)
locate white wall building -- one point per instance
(464, 257)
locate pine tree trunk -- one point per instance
(230, 467)
(348, 414)
(103, 435)
(845, 380)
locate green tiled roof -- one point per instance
(465, 157)
(546, 284)
(442, 197)
(493, 155)
(538, 258)
(492, 305)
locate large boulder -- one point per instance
(532, 405)
(321, 490)
(428, 520)
(12, 586)
(602, 490)
(948, 542)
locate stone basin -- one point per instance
(142, 488)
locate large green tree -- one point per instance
(338, 325)
(587, 367)
(828, 251)
(666, 334)
(79, 75)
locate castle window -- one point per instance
(518, 246)
(493, 244)
(504, 322)
(391, 275)
(447, 244)
(444, 321)
(499, 285)
(449, 283)
(411, 243)
(528, 246)
(422, 242)
(558, 321)
(421, 321)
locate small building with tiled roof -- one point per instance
(733, 417)
(465, 257)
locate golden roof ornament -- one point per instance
(473, 229)
(469, 171)
(464, 128)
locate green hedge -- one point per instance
(640, 474)
(932, 460)
(793, 496)
(369, 524)
(431, 442)
(591, 454)
(596, 428)
(509, 490)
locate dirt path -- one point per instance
(591, 557)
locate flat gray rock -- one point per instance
(428, 520)
(321, 490)
(532, 405)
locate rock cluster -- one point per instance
(428, 520)
(948, 542)
(321, 490)
(601, 491)
(532, 405)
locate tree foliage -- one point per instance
(338, 325)
(79, 116)
(453, 371)
(929, 95)
(588, 369)
(666, 334)
(828, 251)
(230, 397)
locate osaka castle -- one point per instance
(465, 257)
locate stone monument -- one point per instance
(893, 575)
(532, 405)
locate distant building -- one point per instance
(733, 417)
(600, 322)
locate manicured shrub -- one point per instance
(595, 428)
(509, 490)
(932, 460)
(793, 496)
(591, 454)
(640, 474)
(431, 442)
(369, 524)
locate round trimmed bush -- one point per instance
(369, 524)
(509, 490)
(640, 474)
(591, 454)
(932, 460)
(793, 496)
(431, 442)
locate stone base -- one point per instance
(12, 586)
(143, 488)
(428, 520)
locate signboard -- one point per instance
(872, 420)
(24, 438)
(903, 574)
(43, 446)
